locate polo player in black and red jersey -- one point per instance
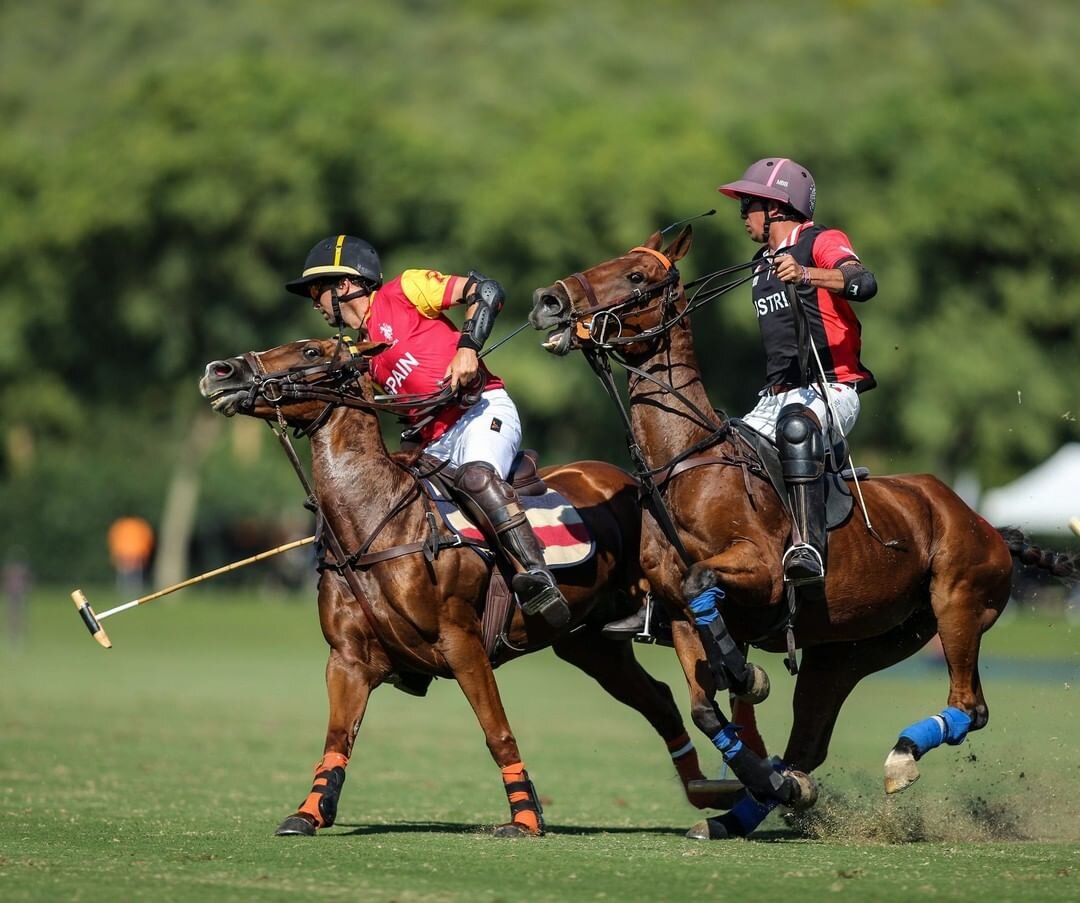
(814, 374)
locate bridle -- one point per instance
(595, 322)
(336, 383)
(601, 324)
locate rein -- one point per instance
(296, 384)
(650, 492)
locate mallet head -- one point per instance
(90, 619)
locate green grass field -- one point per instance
(159, 770)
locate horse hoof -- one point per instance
(513, 829)
(757, 686)
(806, 790)
(710, 794)
(901, 771)
(710, 829)
(296, 826)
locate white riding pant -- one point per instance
(844, 401)
(488, 431)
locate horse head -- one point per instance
(297, 380)
(620, 303)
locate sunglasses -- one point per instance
(745, 203)
(341, 283)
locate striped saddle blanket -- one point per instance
(556, 523)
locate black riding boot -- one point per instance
(802, 458)
(495, 505)
(804, 562)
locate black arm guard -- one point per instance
(489, 298)
(859, 284)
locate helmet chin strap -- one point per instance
(335, 303)
(769, 219)
(337, 300)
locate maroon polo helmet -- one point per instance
(777, 179)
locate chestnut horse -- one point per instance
(406, 610)
(920, 562)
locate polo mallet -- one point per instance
(93, 621)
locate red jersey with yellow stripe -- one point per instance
(407, 313)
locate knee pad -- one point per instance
(482, 488)
(475, 477)
(800, 444)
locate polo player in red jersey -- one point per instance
(343, 278)
(813, 371)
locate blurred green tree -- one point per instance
(164, 170)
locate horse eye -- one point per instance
(636, 278)
(312, 353)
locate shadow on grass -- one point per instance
(444, 827)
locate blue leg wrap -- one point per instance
(744, 817)
(957, 725)
(704, 606)
(951, 727)
(727, 740)
(747, 814)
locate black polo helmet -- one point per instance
(339, 255)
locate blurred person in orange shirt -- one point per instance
(131, 541)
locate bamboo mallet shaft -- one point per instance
(93, 620)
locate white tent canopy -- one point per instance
(1043, 499)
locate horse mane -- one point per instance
(406, 460)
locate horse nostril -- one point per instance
(221, 369)
(552, 302)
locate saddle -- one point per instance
(556, 523)
(839, 501)
(524, 475)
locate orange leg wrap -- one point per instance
(519, 790)
(326, 764)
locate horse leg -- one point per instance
(349, 684)
(827, 676)
(464, 653)
(965, 605)
(727, 661)
(758, 775)
(356, 666)
(614, 666)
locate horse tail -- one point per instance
(1064, 565)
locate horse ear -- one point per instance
(654, 241)
(679, 248)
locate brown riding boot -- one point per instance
(495, 505)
